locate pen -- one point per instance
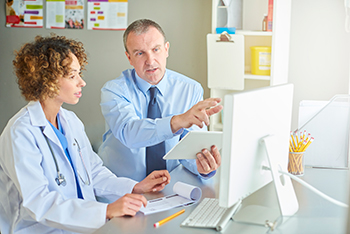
(168, 218)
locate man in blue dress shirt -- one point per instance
(125, 100)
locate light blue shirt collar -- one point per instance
(144, 85)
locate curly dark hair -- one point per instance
(39, 64)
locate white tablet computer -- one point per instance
(194, 142)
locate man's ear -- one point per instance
(167, 46)
(128, 56)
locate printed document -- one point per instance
(185, 195)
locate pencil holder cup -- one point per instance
(296, 163)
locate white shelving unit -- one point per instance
(229, 63)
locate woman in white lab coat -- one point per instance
(49, 174)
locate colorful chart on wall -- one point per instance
(24, 13)
(74, 17)
(62, 14)
(107, 14)
(55, 13)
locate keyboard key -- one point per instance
(207, 214)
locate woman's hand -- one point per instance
(129, 204)
(155, 181)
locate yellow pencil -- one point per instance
(291, 146)
(300, 149)
(300, 141)
(296, 136)
(308, 137)
(305, 141)
(168, 218)
(309, 142)
(293, 140)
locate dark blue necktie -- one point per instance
(155, 153)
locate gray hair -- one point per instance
(139, 27)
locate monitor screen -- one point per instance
(248, 117)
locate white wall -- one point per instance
(319, 51)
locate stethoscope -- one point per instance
(60, 180)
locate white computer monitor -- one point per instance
(252, 120)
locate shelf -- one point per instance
(229, 64)
(253, 33)
(250, 76)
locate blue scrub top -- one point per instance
(60, 134)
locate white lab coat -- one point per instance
(30, 199)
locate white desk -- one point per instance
(315, 214)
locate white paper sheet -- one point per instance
(185, 194)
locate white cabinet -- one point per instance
(229, 63)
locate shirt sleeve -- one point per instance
(191, 164)
(126, 124)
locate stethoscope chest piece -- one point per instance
(60, 180)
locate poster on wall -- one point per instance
(24, 13)
(107, 14)
(74, 18)
(62, 14)
(55, 10)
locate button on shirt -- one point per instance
(124, 103)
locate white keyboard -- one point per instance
(207, 214)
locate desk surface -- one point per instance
(315, 214)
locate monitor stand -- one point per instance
(287, 203)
